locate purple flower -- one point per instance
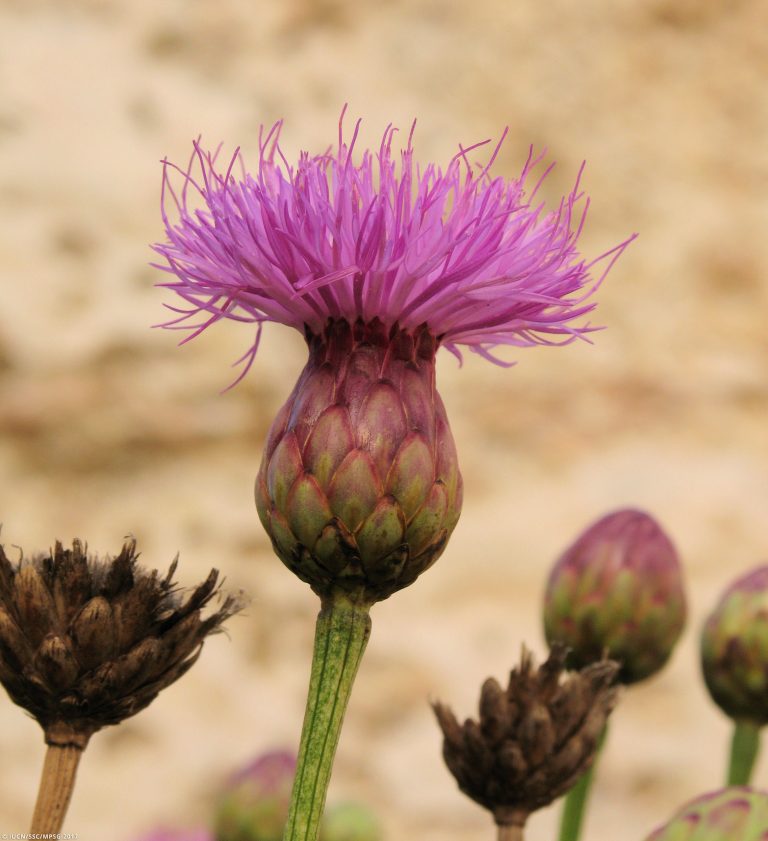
(378, 263)
(477, 259)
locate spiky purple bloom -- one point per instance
(475, 258)
(378, 264)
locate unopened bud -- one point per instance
(254, 805)
(734, 649)
(618, 590)
(736, 813)
(350, 822)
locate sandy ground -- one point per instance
(107, 429)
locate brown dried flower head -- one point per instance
(86, 642)
(534, 739)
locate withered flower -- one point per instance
(533, 739)
(86, 642)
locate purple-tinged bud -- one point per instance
(736, 813)
(734, 649)
(618, 590)
(350, 822)
(359, 488)
(254, 807)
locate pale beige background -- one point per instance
(107, 428)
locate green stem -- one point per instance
(745, 745)
(341, 633)
(576, 799)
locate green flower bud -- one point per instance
(350, 822)
(254, 806)
(734, 649)
(736, 813)
(359, 488)
(618, 590)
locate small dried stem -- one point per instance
(56, 785)
(511, 832)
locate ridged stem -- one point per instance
(575, 804)
(341, 634)
(56, 785)
(745, 745)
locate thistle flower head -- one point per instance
(736, 813)
(378, 262)
(618, 589)
(477, 259)
(86, 642)
(734, 649)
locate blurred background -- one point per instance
(107, 429)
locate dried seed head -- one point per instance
(86, 642)
(533, 739)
